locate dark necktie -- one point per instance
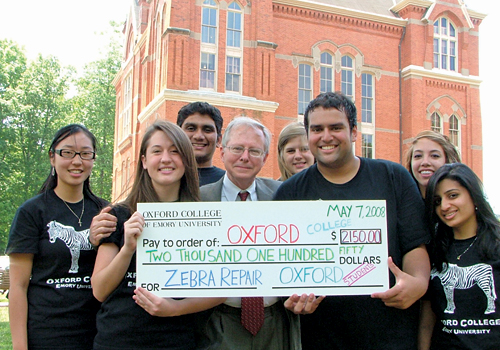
(252, 308)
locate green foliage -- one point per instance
(5, 338)
(94, 106)
(32, 108)
(34, 104)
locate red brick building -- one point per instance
(408, 67)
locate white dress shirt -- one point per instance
(230, 194)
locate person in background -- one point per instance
(461, 309)
(427, 153)
(130, 317)
(293, 151)
(51, 305)
(387, 320)
(202, 123)
(244, 151)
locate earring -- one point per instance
(53, 171)
(476, 208)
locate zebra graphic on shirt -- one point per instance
(74, 240)
(457, 277)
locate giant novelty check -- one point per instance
(213, 249)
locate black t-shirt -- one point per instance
(360, 322)
(468, 315)
(61, 307)
(122, 324)
(210, 175)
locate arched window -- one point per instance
(445, 45)
(234, 25)
(454, 131)
(326, 72)
(208, 57)
(234, 48)
(305, 87)
(347, 76)
(436, 123)
(209, 22)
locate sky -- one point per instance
(67, 30)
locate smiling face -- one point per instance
(330, 138)
(72, 172)
(296, 154)
(428, 156)
(455, 208)
(242, 169)
(202, 133)
(164, 165)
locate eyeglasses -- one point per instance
(252, 152)
(70, 154)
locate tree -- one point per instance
(32, 108)
(34, 104)
(94, 106)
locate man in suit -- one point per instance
(244, 151)
(202, 123)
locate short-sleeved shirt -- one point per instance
(468, 313)
(360, 322)
(122, 324)
(61, 306)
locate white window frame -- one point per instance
(209, 8)
(231, 10)
(209, 48)
(127, 106)
(445, 45)
(205, 68)
(454, 131)
(234, 52)
(367, 96)
(232, 73)
(305, 84)
(326, 66)
(348, 71)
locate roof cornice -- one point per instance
(475, 14)
(420, 72)
(310, 5)
(214, 98)
(401, 5)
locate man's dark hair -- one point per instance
(203, 108)
(329, 100)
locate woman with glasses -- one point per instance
(130, 316)
(51, 304)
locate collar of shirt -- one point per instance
(230, 191)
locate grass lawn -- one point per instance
(5, 340)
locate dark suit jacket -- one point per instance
(265, 189)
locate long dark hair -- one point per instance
(488, 226)
(51, 181)
(143, 190)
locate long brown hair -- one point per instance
(142, 190)
(450, 151)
